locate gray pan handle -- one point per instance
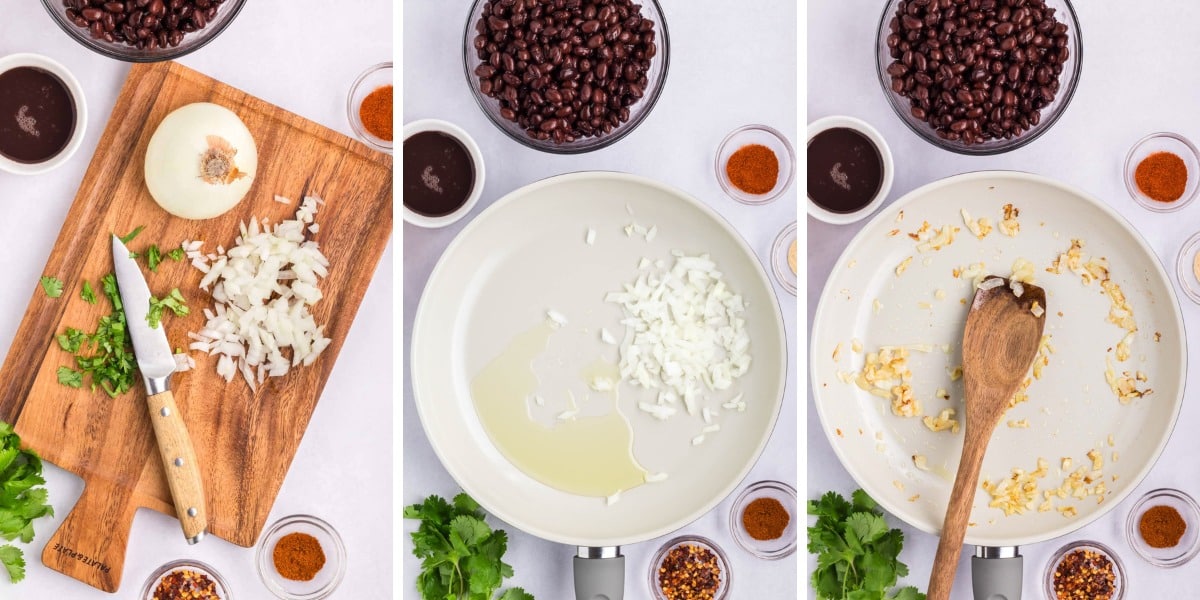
(996, 573)
(599, 573)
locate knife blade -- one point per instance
(156, 363)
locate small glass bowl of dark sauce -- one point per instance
(850, 170)
(42, 114)
(442, 173)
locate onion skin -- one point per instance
(174, 157)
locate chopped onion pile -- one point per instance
(684, 333)
(263, 288)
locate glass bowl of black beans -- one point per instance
(143, 30)
(979, 76)
(566, 76)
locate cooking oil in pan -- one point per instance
(586, 455)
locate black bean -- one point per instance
(143, 24)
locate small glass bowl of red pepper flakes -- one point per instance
(1085, 570)
(185, 580)
(690, 567)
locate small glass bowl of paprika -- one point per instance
(369, 107)
(301, 557)
(1162, 172)
(763, 520)
(755, 164)
(1161, 528)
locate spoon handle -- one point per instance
(958, 512)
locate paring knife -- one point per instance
(156, 362)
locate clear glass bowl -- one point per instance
(1163, 142)
(377, 76)
(784, 272)
(1068, 80)
(191, 42)
(178, 565)
(1118, 566)
(637, 113)
(775, 549)
(326, 580)
(1185, 271)
(766, 136)
(694, 540)
(1188, 545)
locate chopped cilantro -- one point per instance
(153, 257)
(52, 286)
(87, 293)
(125, 239)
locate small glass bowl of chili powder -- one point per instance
(1162, 528)
(763, 520)
(690, 567)
(185, 580)
(1162, 172)
(301, 557)
(1085, 570)
(755, 164)
(369, 107)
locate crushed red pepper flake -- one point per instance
(186, 584)
(689, 572)
(1085, 575)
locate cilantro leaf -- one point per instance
(70, 377)
(14, 562)
(153, 257)
(176, 254)
(125, 239)
(173, 301)
(52, 286)
(87, 293)
(857, 554)
(461, 555)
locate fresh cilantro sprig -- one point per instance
(53, 286)
(21, 500)
(173, 301)
(857, 554)
(460, 554)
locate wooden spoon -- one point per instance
(999, 344)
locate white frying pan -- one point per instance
(1070, 409)
(526, 255)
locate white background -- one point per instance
(1141, 74)
(728, 68)
(343, 469)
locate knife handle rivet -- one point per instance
(166, 412)
(179, 462)
(191, 512)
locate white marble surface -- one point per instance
(711, 89)
(1138, 77)
(343, 469)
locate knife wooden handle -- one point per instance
(179, 464)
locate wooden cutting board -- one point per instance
(244, 441)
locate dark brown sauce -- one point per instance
(37, 115)
(845, 170)
(438, 174)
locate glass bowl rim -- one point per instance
(767, 198)
(648, 102)
(699, 540)
(741, 502)
(1131, 186)
(271, 582)
(927, 134)
(116, 52)
(352, 114)
(1118, 565)
(180, 563)
(1131, 527)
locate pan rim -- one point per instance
(760, 277)
(1159, 271)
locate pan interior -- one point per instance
(1071, 409)
(527, 255)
